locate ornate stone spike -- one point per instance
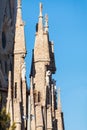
(19, 4)
(41, 7)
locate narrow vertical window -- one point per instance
(39, 96)
(3, 40)
(15, 90)
(35, 97)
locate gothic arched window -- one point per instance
(39, 96)
(15, 93)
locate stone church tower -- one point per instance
(45, 112)
(35, 108)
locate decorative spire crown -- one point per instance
(19, 20)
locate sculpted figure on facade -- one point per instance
(48, 76)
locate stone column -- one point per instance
(39, 117)
(49, 118)
(24, 101)
(17, 114)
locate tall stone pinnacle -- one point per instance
(19, 4)
(19, 14)
(19, 46)
(41, 7)
(40, 23)
(44, 110)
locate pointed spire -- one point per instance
(41, 7)
(40, 23)
(19, 4)
(19, 13)
(46, 23)
(59, 100)
(19, 46)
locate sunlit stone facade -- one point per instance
(34, 108)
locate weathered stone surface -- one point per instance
(41, 111)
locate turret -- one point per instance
(41, 57)
(19, 46)
(19, 53)
(41, 49)
(42, 92)
(19, 79)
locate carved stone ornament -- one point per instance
(48, 74)
(23, 71)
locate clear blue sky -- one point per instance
(68, 30)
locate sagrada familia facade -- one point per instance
(36, 107)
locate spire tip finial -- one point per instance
(18, 3)
(41, 7)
